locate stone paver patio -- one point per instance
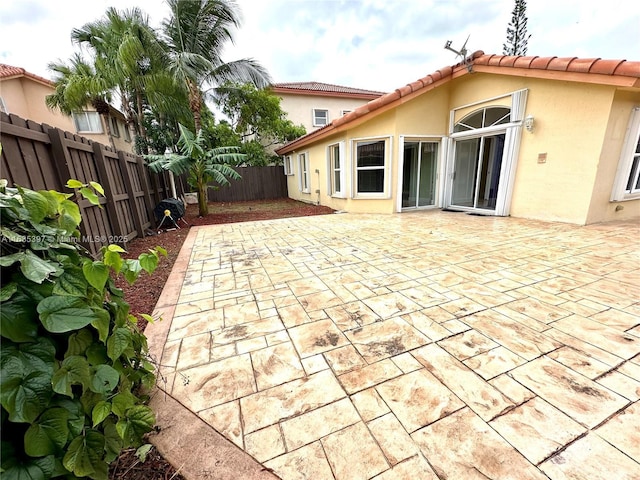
(422, 345)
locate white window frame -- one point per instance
(86, 113)
(342, 171)
(386, 186)
(316, 118)
(3, 106)
(287, 162)
(625, 164)
(304, 179)
(344, 112)
(127, 133)
(115, 127)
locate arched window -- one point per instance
(485, 117)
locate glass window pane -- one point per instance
(496, 116)
(336, 181)
(371, 154)
(634, 178)
(371, 181)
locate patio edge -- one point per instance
(186, 441)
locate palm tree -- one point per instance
(129, 55)
(202, 166)
(78, 84)
(195, 36)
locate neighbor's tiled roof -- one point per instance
(8, 71)
(589, 70)
(324, 89)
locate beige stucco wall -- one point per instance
(25, 97)
(601, 209)
(299, 108)
(575, 126)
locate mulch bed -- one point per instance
(144, 294)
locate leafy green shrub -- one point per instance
(73, 369)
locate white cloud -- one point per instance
(373, 44)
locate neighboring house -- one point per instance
(550, 138)
(23, 93)
(315, 105)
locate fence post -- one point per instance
(135, 208)
(107, 184)
(143, 172)
(60, 154)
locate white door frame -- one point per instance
(441, 141)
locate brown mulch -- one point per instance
(144, 294)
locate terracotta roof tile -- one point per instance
(582, 65)
(540, 63)
(323, 88)
(570, 65)
(7, 71)
(560, 64)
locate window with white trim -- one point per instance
(3, 107)
(371, 166)
(127, 133)
(627, 183)
(320, 117)
(336, 182)
(288, 165)
(115, 127)
(303, 168)
(344, 112)
(88, 122)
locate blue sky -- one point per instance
(373, 44)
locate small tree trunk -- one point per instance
(203, 208)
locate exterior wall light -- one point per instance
(528, 123)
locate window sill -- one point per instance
(371, 196)
(88, 132)
(628, 197)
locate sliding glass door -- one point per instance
(476, 175)
(419, 174)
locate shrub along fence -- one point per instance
(39, 157)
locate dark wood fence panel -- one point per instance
(258, 183)
(42, 157)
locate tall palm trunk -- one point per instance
(195, 104)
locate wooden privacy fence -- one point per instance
(258, 183)
(41, 157)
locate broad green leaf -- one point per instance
(119, 341)
(37, 355)
(104, 379)
(11, 236)
(113, 442)
(76, 421)
(73, 371)
(97, 354)
(143, 451)
(89, 400)
(71, 283)
(35, 268)
(48, 434)
(36, 204)
(96, 274)
(97, 187)
(101, 323)
(100, 412)
(72, 183)
(90, 195)
(79, 342)
(23, 393)
(138, 420)
(113, 260)
(7, 291)
(8, 260)
(71, 209)
(148, 262)
(84, 454)
(122, 402)
(148, 317)
(161, 251)
(131, 269)
(116, 248)
(15, 468)
(17, 320)
(61, 314)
